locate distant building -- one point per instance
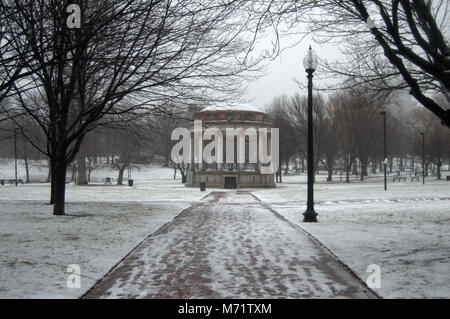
(230, 175)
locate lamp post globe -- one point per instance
(310, 60)
(310, 64)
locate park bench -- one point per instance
(399, 178)
(11, 181)
(414, 178)
(107, 180)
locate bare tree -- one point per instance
(395, 45)
(437, 146)
(387, 45)
(128, 139)
(144, 51)
(298, 119)
(355, 130)
(278, 115)
(12, 62)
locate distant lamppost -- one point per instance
(385, 150)
(423, 157)
(310, 63)
(15, 154)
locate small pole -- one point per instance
(423, 157)
(385, 149)
(15, 154)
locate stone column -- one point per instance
(192, 151)
(220, 165)
(258, 159)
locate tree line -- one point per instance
(349, 134)
(126, 59)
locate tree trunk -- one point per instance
(27, 169)
(52, 181)
(81, 174)
(374, 168)
(121, 171)
(438, 168)
(49, 173)
(348, 168)
(279, 172)
(355, 168)
(330, 175)
(364, 172)
(74, 175)
(59, 185)
(25, 160)
(89, 169)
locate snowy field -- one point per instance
(103, 224)
(404, 230)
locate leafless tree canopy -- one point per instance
(131, 58)
(348, 133)
(127, 57)
(389, 45)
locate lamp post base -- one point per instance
(310, 216)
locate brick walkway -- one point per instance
(230, 246)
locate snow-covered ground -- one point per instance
(404, 230)
(103, 224)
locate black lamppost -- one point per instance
(385, 150)
(310, 63)
(423, 157)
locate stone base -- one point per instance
(242, 179)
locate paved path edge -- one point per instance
(321, 245)
(160, 229)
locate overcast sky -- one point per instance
(288, 67)
(284, 70)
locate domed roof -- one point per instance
(233, 107)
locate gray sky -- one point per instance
(284, 70)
